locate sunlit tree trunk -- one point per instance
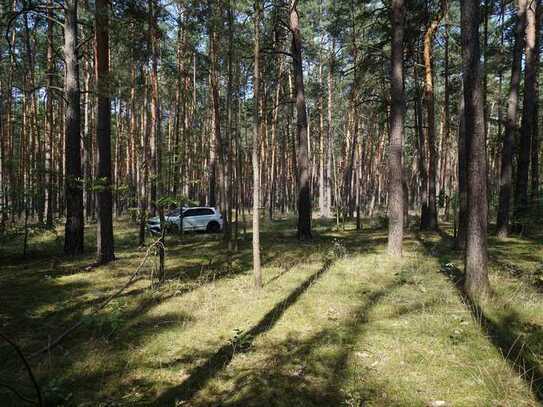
(429, 212)
(329, 137)
(322, 153)
(476, 283)
(395, 228)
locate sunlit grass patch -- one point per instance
(337, 323)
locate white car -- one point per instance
(201, 218)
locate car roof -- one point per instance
(200, 207)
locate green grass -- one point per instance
(337, 323)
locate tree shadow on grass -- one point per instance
(304, 372)
(202, 374)
(520, 343)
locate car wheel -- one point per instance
(213, 227)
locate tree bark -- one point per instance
(256, 138)
(506, 173)
(529, 111)
(157, 186)
(216, 158)
(476, 283)
(49, 121)
(322, 154)
(429, 212)
(534, 193)
(462, 178)
(74, 228)
(302, 158)
(104, 235)
(396, 201)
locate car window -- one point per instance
(198, 212)
(175, 212)
(190, 212)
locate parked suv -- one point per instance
(201, 218)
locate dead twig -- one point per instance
(61, 337)
(29, 371)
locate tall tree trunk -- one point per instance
(462, 178)
(302, 159)
(476, 283)
(506, 173)
(143, 172)
(396, 202)
(88, 156)
(534, 193)
(529, 111)
(74, 228)
(256, 139)
(216, 169)
(104, 235)
(228, 151)
(444, 165)
(329, 138)
(157, 186)
(429, 213)
(49, 121)
(322, 154)
(421, 146)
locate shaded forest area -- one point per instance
(401, 133)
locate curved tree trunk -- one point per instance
(429, 212)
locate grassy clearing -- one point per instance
(337, 323)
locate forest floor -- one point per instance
(337, 323)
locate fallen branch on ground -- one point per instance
(28, 369)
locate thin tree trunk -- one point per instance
(462, 178)
(256, 139)
(322, 154)
(329, 139)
